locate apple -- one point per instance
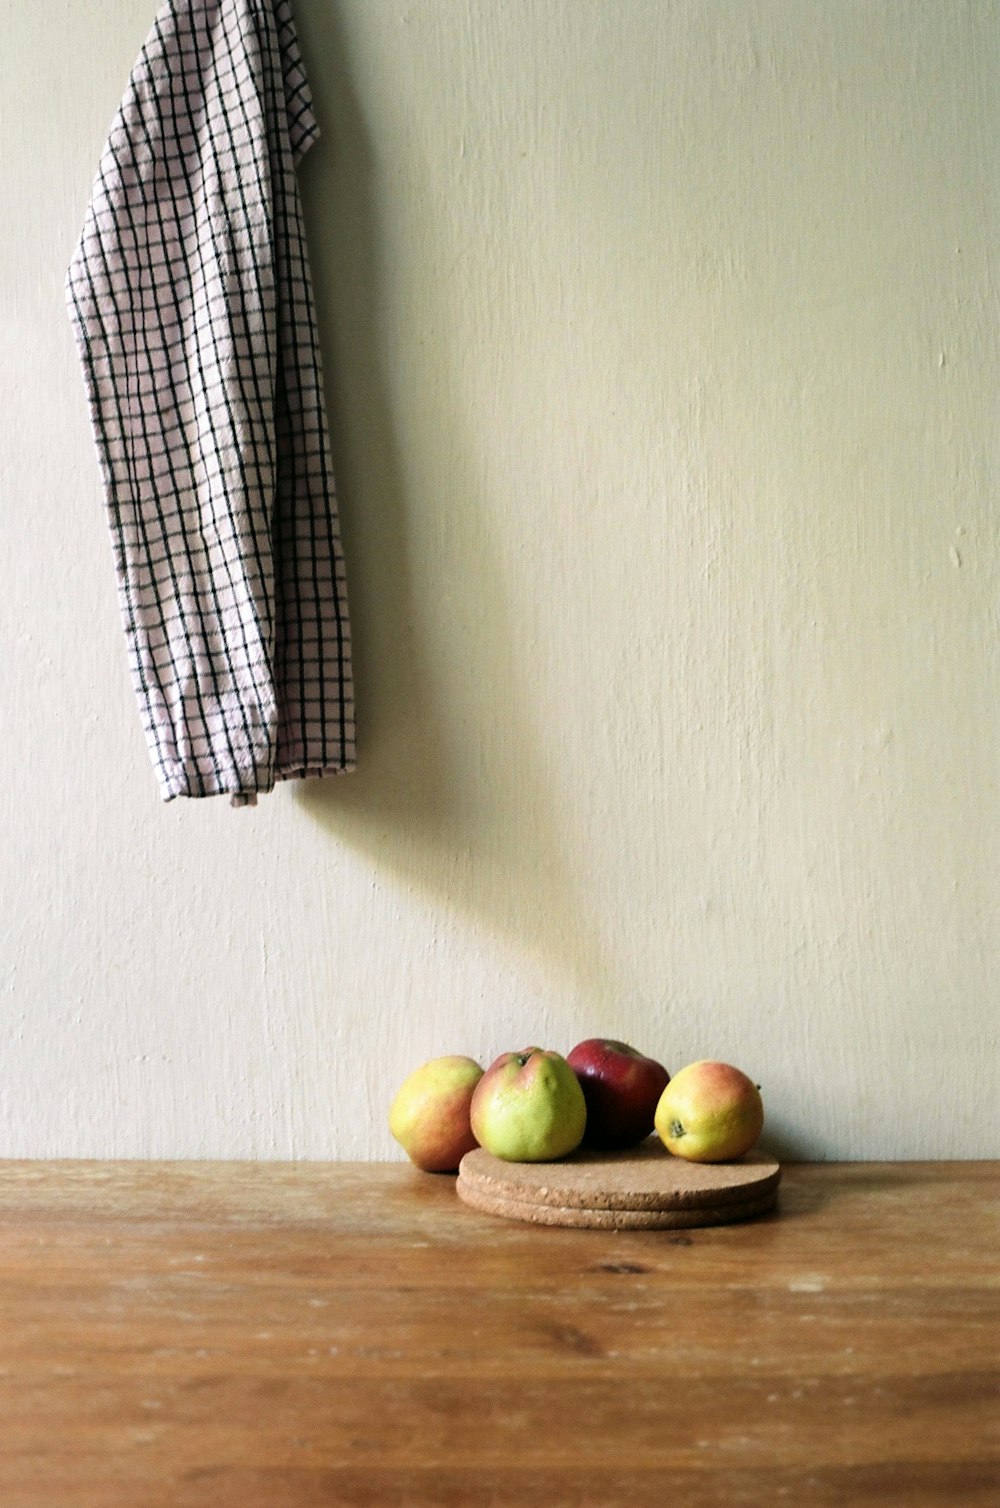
(710, 1112)
(529, 1107)
(622, 1088)
(430, 1115)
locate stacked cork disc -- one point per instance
(642, 1189)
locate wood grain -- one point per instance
(228, 1336)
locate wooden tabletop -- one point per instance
(208, 1335)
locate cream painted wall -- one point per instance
(662, 362)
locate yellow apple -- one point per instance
(430, 1114)
(709, 1112)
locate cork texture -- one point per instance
(646, 1179)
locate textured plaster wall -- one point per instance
(662, 364)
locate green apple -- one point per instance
(709, 1112)
(430, 1114)
(529, 1107)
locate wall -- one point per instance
(662, 358)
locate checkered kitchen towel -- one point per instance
(192, 306)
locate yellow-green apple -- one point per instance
(529, 1107)
(430, 1114)
(710, 1112)
(622, 1088)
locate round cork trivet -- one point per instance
(616, 1219)
(646, 1177)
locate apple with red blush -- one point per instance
(430, 1115)
(710, 1112)
(528, 1107)
(622, 1088)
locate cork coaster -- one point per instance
(615, 1219)
(644, 1188)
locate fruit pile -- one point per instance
(536, 1106)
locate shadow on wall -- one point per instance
(450, 793)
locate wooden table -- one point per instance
(206, 1335)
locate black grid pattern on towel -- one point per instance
(191, 301)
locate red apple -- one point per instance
(430, 1114)
(622, 1088)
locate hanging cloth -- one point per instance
(190, 296)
